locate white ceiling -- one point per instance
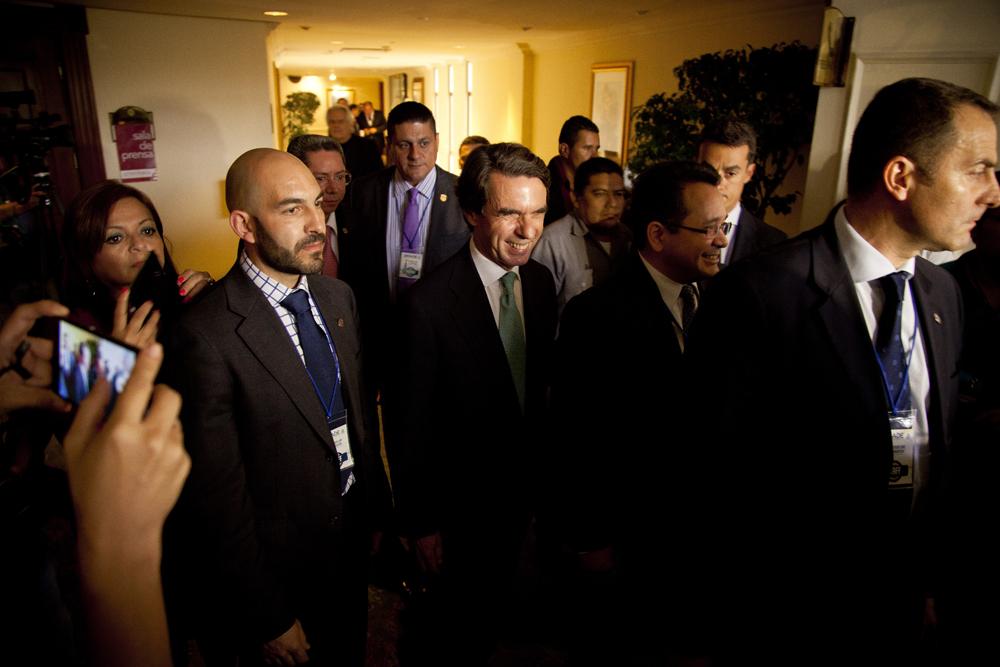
(406, 33)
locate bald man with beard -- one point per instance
(285, 468)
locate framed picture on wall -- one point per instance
(417, 89)
(334, 94)
(397, 89)
(611, 106)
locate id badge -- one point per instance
(338, 429)
(901, 426)
(410, 264)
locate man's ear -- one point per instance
(656, 236)
(751, 170)
(564, 150)
(471, 218)
(573, 198)
(899, 176)
(242, 224)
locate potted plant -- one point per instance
(300, 110)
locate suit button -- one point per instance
(334, 521)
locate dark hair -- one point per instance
(474, 140)
(505, 158)
(573, 126)
(304, 144)
(731, 132)
(82, 237)
(409, 112)
(912, 118)
(595, 165)
(658, 195)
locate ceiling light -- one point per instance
(332, 77)
(275, 13)
(336, 41)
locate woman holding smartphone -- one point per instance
(117, 275)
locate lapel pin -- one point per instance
(340, 322)
(344, 231)
(443, 198)
(937, 318)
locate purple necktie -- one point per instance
(411, 230)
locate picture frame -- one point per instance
(417, 89)
(611, 106)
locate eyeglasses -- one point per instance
(710, 231)
(344, 178)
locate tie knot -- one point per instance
(411, 196)
(508, 281)
(894, 283)
(297, 302)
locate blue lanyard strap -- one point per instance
(904, 386)
(335, 404)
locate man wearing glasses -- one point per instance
(325, 159)
(617, 429)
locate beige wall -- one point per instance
(498, 95)
(209, 98)
(562, 73)
(911, 31)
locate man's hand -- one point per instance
(429, 553)
(141, 328)
(22, 355)
(291, 648)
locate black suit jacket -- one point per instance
(456, 432)
(261, 515)
(364, 264)
(789, 411)
(378, 122)
(616, 379)
(752, 236)
(361, 157)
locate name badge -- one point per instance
(341, 442)
(901, 427)
(410, 264)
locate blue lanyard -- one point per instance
(905, 384)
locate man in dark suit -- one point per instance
(404, 222)
(285, 465)
(620, 348)
(463, 416)
(730, 147)
(579, 140)
(825, 424)
(325, 159)
(362, 157)
(371, 123)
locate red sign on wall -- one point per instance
(136, 156)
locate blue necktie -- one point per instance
(321, 364)
(889, 340)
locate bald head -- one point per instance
(246, 176)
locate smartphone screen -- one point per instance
(85, 357)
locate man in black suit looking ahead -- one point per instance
(284, 449)
(730, 147)
(463, 420)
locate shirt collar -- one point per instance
(488, 270)
(734, 215)
(274, 291)
(864, 262)
(331, 222)
(670, 290)
(425, 187)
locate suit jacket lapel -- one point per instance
(642, 290)
(936, 341)
(439, 219)
(840, 313)
(474, 320)
(267, 340)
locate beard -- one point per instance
(285, 260)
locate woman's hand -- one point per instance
(192, 282)
(141, 328)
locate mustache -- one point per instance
(315, 237)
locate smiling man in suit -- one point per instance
(463, 420)
(285, 464)
(825, 423)
(730, 147)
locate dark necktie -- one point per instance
(889, 341)
(320, 362)
(689, 304)
(512, 333)
(411, 230)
